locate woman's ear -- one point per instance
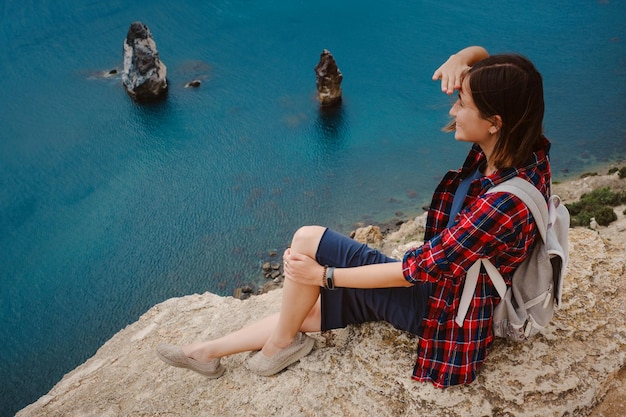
(496, 124)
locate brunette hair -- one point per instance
(510, 86)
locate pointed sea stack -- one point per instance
(144, 74)
(328, 80)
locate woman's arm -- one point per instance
(454, 69)
(305, 270)
(371, 276)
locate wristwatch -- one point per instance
(330, 282)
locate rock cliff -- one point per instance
(144, 75)
(363, 370)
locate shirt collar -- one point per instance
(476, 159)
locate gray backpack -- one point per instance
(527, 306)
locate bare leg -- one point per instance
(298, 299)
(300, 311)
(249, 338)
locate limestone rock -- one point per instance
(572, 190)
(369, 235)
(362, 370)
(328, 81)
(144, 75)
(409, 235)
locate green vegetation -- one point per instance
(598, 204)
(621, 172)
(588, 174)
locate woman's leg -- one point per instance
(248, 338)
(300, 311)
(299, 300)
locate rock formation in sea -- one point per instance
(328, 80)
(144, 75)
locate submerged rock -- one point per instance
(328, 81)
(193, 84)
(144, 75)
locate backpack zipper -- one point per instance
(546, 302)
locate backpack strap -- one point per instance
(469, 287)
(531, 196)
(536, 203)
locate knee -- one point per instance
(307, 233)
(307, 239)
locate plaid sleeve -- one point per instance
(490, 225)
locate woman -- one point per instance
(332, 281)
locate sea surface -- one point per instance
(108, 207)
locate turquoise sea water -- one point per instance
(107, 207)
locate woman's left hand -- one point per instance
(302, 269)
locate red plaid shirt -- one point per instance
(497, 226)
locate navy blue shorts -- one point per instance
(402, 307)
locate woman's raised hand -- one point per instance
(452, 71)
(451, 74)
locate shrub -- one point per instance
(604, 216)
(597, 204)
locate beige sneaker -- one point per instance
(174, 356)
(298, 349)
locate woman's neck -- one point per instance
(489, 169)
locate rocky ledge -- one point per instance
(365, 370)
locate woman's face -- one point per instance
(470, 126)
